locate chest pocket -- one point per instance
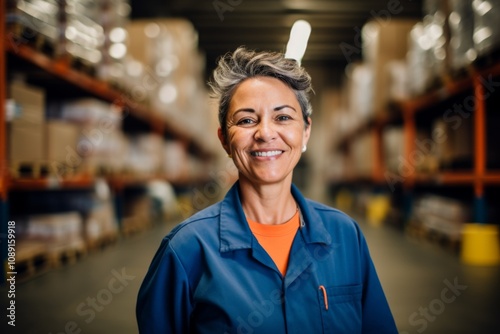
(341, 308)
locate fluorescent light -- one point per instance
(297, 43)
(117, 50)
(117, 35)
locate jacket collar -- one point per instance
(236, 234)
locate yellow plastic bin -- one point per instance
(480, 244)
(377, 209)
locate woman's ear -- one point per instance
(307, 131)
(223, 141)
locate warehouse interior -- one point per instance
(109, 139)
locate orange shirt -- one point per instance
(277, 239)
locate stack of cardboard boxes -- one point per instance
(441, 217)
(40, 145)
(369, 87)
(170, 75)
(90, 34)
(385, 45)
(26, 127)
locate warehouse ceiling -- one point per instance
(224, 25)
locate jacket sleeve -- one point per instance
(163, 303)
(377, 316)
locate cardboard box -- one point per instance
(62, 143)
(454, 146)
(361, 89)
(173, 71)
(393, 148)
(384, 41)
(56, 227)
(25, 142)
(153, 41)
(175, 159)
(363, 158)
(30, 100)
(100, 222)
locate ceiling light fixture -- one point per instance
(297, 44)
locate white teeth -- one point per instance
(267, 154)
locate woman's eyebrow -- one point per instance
(283, 107)
(278, 108)
(244, 110)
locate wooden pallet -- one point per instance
(434, 237)
(443, 240)
(102, 241)
(66, 253)
(27, 169)
(134, 225)
(104, 171)
(31, 259)
(414, 230)
(63, 170)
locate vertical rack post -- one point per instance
(117, 189)
(410, 133)
(479, 151)
(378, 165)
(3, 146)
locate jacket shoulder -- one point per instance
(324, 209)
(197, 223)
(334, 218)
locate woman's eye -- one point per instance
(245, 121)
(283, 118)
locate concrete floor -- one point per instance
(87, 297)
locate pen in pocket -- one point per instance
(325, 296)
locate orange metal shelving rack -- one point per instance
(479, 176)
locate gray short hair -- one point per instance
(234, 68)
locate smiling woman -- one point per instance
(265, 133)
(265, 259)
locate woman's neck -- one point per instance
(268, 204)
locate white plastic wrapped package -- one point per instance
(461, 23)
(486, 26)
(418, 59)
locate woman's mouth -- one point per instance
(266, 153)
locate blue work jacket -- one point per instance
(210, 275)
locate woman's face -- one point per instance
(265, 130)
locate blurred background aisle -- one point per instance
(108, 139)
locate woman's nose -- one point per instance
(265, 131)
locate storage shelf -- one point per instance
(62, 70)
(378, 122)
(76, 182)
(450, 89)
(478, 83)
(359, 180)
(410, 106)
(87, 181)
(458, 178)
(445, 178)
(127, 181)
